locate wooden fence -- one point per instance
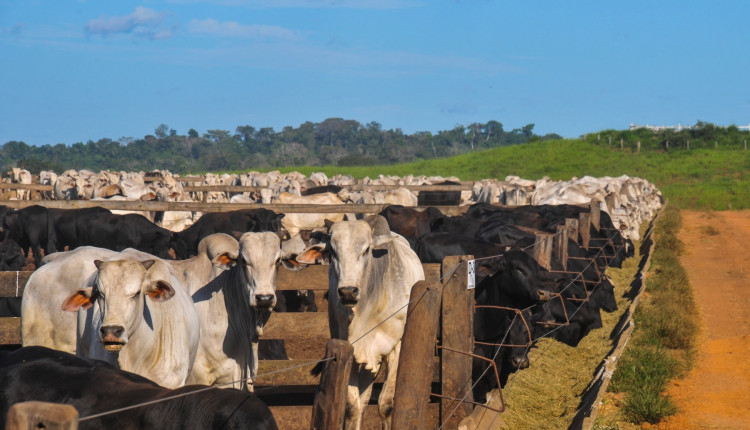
(287, 385)
(290, 393)
(289, 388)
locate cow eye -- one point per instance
(520, 272)
(136, 295)
(367, 250)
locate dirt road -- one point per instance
(716, 393)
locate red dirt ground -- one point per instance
(716, 393)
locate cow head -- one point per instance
(119, 291)
(519, 337)
(260, 257)
(515, 278)
(350, 250)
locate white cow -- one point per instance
(43, 322)
(22, 176)
(139, 318)
(370, 277)
(294, 222)
(233, 309)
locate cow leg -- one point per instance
(358, 396)
(385, 401)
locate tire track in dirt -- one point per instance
(716, 393)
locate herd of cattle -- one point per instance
(189, 306)
(628, 200)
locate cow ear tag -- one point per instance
(471, 274)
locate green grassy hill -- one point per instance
(715, 179)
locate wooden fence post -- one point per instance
(595, 211)
(457, 333)
(41, 415)
(329, 405)
(542, 251)
(571, 224)
(414, 377)
(560, 245)
(639, 146)
(584, 229)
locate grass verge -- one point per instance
(663, 345)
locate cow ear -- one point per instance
(280, 216)
(97, 263)
(80, 299)
(225, 260)
(160, 291)
(289, 262)
(316, 254)
(381, 240)
(147, 264)
(328, 223)
(481, 273)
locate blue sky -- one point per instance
(74, 70)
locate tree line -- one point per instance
(702, 135)
(334, 141)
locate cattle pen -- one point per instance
(434, 382)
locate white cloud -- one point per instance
(234, 29)
(143, 22)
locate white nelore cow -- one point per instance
(294, 222)
(44, 323)
(139, 318)
(233, 309)
(370, 277)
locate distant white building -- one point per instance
(677, 127)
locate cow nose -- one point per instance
(520, 362)
(112, 331)
(349, 295)
(264, 300)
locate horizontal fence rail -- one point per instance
(152, 206)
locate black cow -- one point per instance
(411, 223)
(30, 227)
(94, 387)
(295, 301)
(433, 247)
(185, 243)
(12, 257)
(71, 224)
(508, 347)
(118, 232)
(565, 320)
(320, 190)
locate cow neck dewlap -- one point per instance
(155, 331)
(240, 314)
(372, 333)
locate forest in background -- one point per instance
(333, 142)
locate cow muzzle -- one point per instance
(543, 295)
(520, 362)
(112, 337)
(349, 296)
(264, 300)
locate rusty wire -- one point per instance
(518, 313)
(463, 400)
